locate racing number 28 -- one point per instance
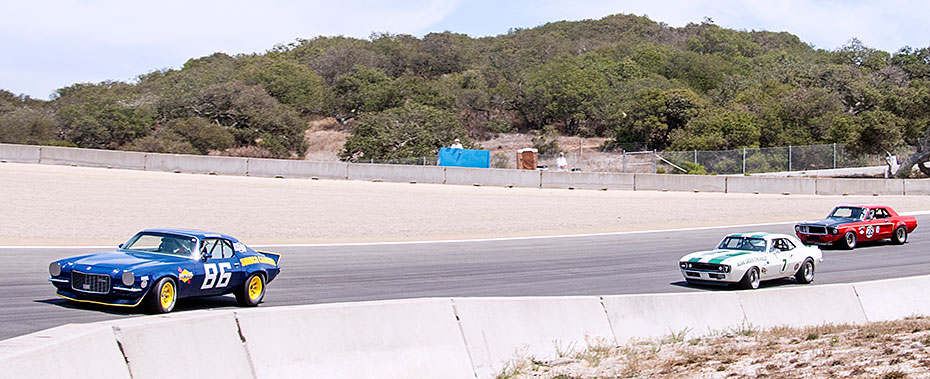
(209, 280)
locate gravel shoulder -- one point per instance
(61, 205)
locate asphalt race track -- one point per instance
(586, 265)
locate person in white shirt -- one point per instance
(561, 162)
(457, 144)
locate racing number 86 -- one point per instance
(209, 280)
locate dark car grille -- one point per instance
(704, 266)
(93, 283)
(813, 229)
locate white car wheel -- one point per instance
(751, 279)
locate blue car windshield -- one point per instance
(847, 212)
(742, 243)
(162, 243)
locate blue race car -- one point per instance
(158, 266)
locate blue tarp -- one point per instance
(464, 158)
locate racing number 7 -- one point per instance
(209, 279)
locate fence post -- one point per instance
(789, 157)
(744, 161)
(834, 155)
(624, 161)
(655, 162)
(695, 157)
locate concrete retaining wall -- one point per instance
(196, 164)
(917, 187)
(659, 315)
(92, 157)
(867, 187)
(297, 169)
(385, 339)
(456, 175)
(73, 350)
(894, 299)
(661, 182)
(492, 177)
(586, 180)
(500, 330)
(802, 306)
(396, 173)
(749, 184)
(429, 338)
(19, 153)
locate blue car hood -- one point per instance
(830, 222)
(127, 260)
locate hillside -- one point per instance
(631, 81)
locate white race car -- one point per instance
(748, 258)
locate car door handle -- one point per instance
(235, 265)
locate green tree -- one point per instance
(289, 82)
(104, 115)
(410, 131)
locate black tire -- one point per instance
(252, 291)
(900, 235)
(849, 240)
(750, 280)
(162, 297)
(805, 274)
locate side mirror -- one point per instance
(206, 256)
(120, 246)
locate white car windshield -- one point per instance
(847, 212)
(742, 243)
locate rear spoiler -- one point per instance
(275, 256)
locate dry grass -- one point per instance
(897, 349)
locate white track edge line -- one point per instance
(915, 213)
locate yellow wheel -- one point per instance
(163, 296)
(252, 291)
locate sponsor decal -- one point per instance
(870, 231)
(184, 275)
(239, 247)
(256, 260)
(764, 270)
(796, 265)
(751, 260)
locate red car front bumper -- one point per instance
(819, 239)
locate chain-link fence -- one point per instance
(740, 161)
(776, 159)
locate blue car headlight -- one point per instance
(128, 278)
(54, 269)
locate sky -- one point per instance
(49, 44)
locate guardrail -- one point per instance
(429, 338)
(456, 175)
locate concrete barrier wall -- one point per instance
(428, 338)
(749, 184)
(586, 180)
(917, 187)
(492, 177)
(387, 339)
(92, 157)
(19, 153)
(73, 350)
(500, 330)
(396, 173)
(297, 169)
(867, 187)
(659, 315)
(802, 306)
(201, 344)
(661, 182)
(456, 175)
(196, 164)
(894, 299)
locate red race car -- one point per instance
(847, 225)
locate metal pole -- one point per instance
(624, 161)
(744, 161)
(655, 162)
(789, 157)
(695, 157)
(834, 155)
